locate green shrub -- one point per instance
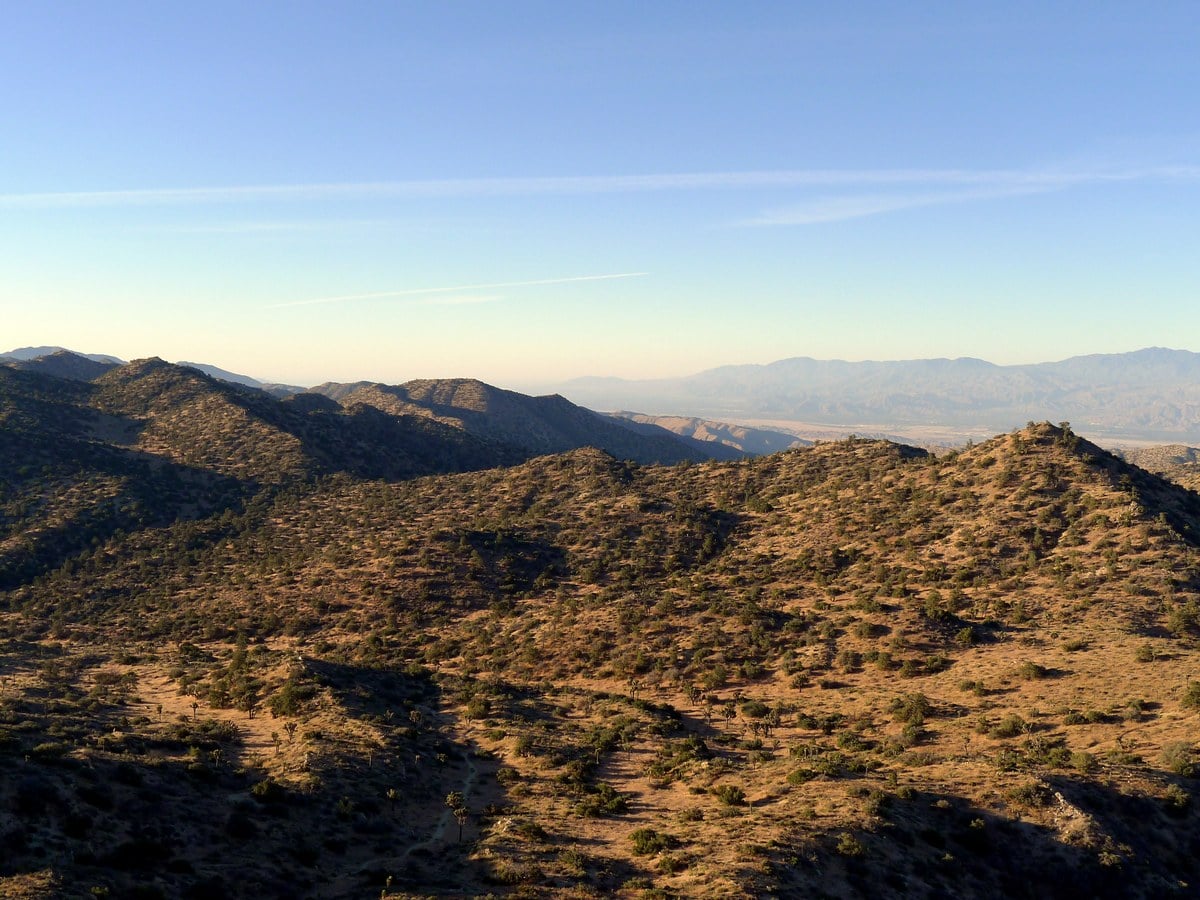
(603, 801)
(911, 708)
(1177, 800)
(1008, 727)
(669, 865)
(1191, 697)
(1033, 793)
(755, 709)
(1031, 671)
(268, 791)
(1177, 756)
(729, 794)
(849, 845)
(1083, 762)
(647, 841)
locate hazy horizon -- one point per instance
(528, 386)
(536, 192)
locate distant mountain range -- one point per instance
(27, 354)
(203, 416)
(1151, 394)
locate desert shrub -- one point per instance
(852, 741)
(911, 708)
(1083, 762)
(1008, 727)
(291, 697)
(729, 794)
(478, 707)
(602, 801)
(1177, 756)
(755, 709)
(1177, 800)
(647, 841)
(506, 872)
(1033, 793)
(1031, 671)
(669, 864)
(936, 662)
(1191, 697)
(849, 845)
(268, 791)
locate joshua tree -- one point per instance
(457, 804)
(461, 815)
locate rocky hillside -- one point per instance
(745, 440)
(63, 364)
(538, 425)
(1177, 462)
(848, 670)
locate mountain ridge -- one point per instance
(543, 424)
(821, 670)
(1152, 393)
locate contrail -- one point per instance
(591, 184)
(416, 292)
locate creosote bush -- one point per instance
(729, 794)
(647, 841)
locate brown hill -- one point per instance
(539, 425)
(746, 440)
(850, 670)
(65, 364)
(1177, 462)
(197, 420)
(149, 443)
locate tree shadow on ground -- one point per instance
(1098, 842)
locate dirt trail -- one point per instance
(439, 831)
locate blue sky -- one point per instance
(310, 192)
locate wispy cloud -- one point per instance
(988, 186)
(460, 299)
(456, 289)
(856, 206)
(1046, 179)
(280, 226)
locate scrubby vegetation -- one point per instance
(241, 656)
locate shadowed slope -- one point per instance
(549, 424)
